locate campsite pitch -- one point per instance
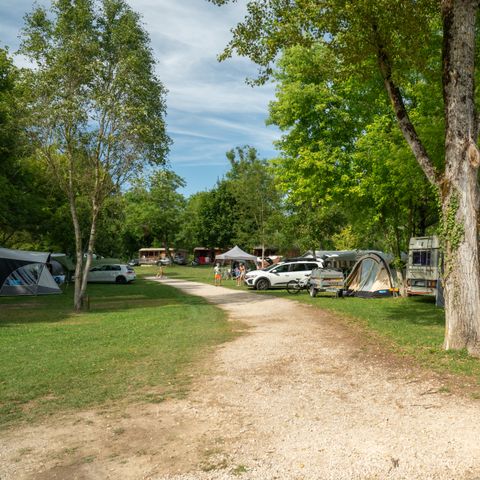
(298, 396)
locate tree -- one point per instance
(22, 196)
(154, 208)
(253, 187)
(394, 40)
(341, 150)
(96, 106)
(219, 217)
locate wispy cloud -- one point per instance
(210, 108)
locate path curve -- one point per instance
(294, 397)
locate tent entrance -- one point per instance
(25, 273)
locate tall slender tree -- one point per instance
(97, 108)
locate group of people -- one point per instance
(238, 273)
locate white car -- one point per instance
(280, 274)
(111, 273)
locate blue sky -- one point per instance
(210, 108)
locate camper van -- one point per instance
(424, 266)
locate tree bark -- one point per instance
(91, 244)
(77, 299)
(460, 189)
(458, 186)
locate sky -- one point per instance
(210, 108)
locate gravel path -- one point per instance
(296, 397)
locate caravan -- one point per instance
(424, 267)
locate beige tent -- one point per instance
(371, 277)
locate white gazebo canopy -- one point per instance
(236, 254)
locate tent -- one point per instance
(26, 273)
(371, 277)
(236, 254)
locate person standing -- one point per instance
(160, 271)
(241, 277)
(217, 274)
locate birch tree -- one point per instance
(97, 108)
(393, 39)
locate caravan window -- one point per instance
(421, 257)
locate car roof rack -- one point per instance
(301, 259)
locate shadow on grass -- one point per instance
(102, 298)
(416, 311)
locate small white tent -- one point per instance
(25, 273)
(236, 254)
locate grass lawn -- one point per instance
(412, 327)
(138, 341)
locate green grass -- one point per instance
(411, 327)
(138, 342)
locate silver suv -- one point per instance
(278, 275)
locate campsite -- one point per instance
(239, 239)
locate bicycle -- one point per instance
(296, 286)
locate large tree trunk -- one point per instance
(458, 186)
(460, 190)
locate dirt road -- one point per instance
(298, 396)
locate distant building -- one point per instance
(149, 256)
(204, 255)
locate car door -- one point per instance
(95, 274)
(280, 275)
(115, 271)
(299, 271)
(104, 273)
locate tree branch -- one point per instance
(404, 122)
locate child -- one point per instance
(217, 275)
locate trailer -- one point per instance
(326, 280)
(424, 267)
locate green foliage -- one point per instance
(153, 209)
(252, 185)
(352, 29)
(451, 231)
(218, 215)
(94, 95)
(24, 189)
(342, 152)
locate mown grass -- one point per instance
(411, 327)
(137, 341)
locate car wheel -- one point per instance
(262, 284)
(313, 291)
(121, 280)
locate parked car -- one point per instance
(179, 260)
(134, 262)
(278, 275)
(163, 261)
(111, 273)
